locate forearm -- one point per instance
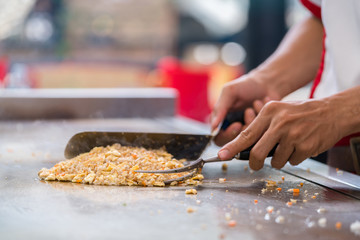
(296, 60)
(346, 110)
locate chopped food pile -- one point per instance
(115, 165)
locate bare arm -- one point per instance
(345, 108)
(296, 60)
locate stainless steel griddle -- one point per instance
(34, 209)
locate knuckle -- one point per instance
(302, 149)
(245, 135)
(224, 91)
(271, 106)
(228, 88)
(294, 134)
(284, 116)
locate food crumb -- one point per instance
(256, 201)
(294, 190)
(310, 224)
(222, 180)
(174, 183)
(301, 184)
(263, 191)
(190, 210)
(270, 184)
(283, 178)
(293, 201)
(313, 197)
(321, 210)
(322, 222)
(227, 216)
(304, 200)
(191, 191)
(355, 227)
(198, 201)
(338, 225)
(289, 204)
(224, 167)
(198, 177)
(226, 190)
(267, 217)
(270, 209)
(232, 223)
(279, 189)
(280, 219)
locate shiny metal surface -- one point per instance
(33, 209)
(32, 104)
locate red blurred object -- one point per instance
(3, 69)
(192, 84)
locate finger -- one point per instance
(258, 105)
(282, 154)
(217, 117)
(261, 150)
(297, 157)
(266, 100)
(249, 116)
(244, 140)
(229, 134)
(220, 110)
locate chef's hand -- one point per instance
(228, 134)
(243, 93)
(301, 130)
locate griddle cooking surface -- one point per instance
(34, 209)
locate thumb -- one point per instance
(220, 110)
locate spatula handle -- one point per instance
(231, 118)
(245, 155)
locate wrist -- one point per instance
(266, 80)
(346, 106)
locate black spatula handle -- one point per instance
(245, 155)
(231, 118)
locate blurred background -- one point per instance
(194, 46)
